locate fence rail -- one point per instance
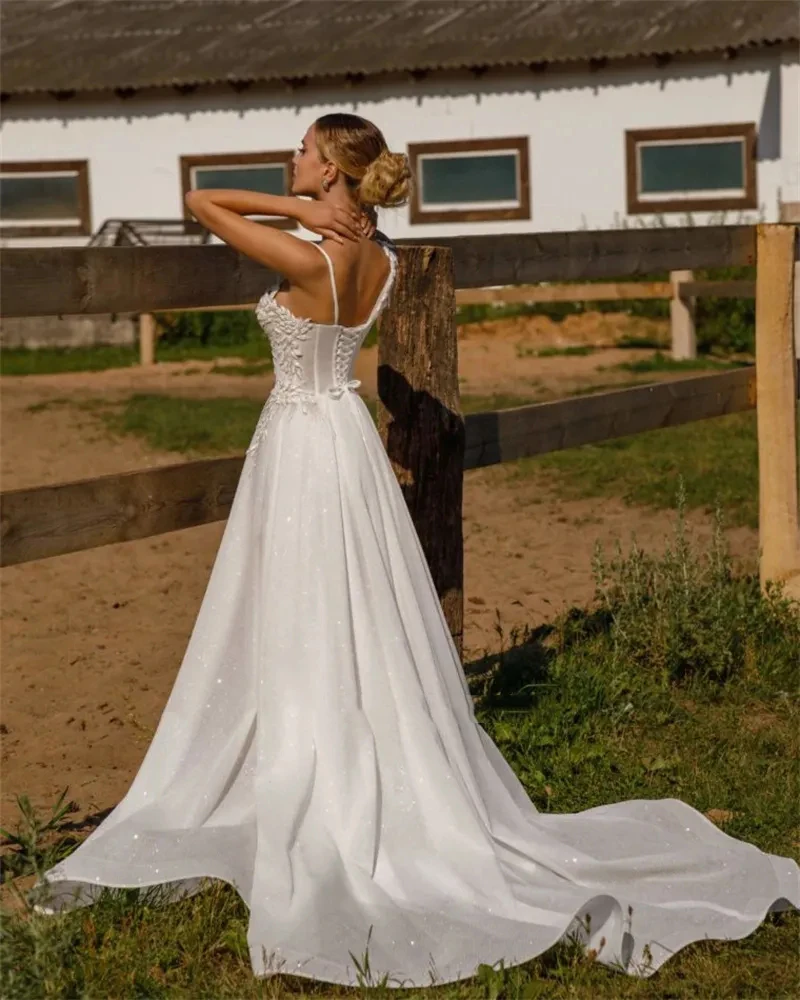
(616, 291)
(84, 280)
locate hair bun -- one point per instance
(386, 181)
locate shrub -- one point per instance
(726, 325)
(682, 616)
(238, 326)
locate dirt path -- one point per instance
(92, 641)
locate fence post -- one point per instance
(776, 393)
(419, 415)
(797, 309)
(147, 338)
(681, 318)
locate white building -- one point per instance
(518, 115)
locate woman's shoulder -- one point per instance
(350, 257)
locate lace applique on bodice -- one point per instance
(313, 360)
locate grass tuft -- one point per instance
(576, 351)
(661, 362)
(186, 425)
(36, 844)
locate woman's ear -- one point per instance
(330, 173)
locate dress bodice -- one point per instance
(311, 359)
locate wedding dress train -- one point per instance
(319, 749)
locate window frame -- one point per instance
(283, 156)
(418, 215)
(706, 202)
(26, 229)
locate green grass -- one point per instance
(718, 459)
(49, 360)
(46, 360)
(578, 351)
(185, 425)
(679, 680)
(661, 362)
(180, 424)
(634, 341)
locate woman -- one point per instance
(319, 749)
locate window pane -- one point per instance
(266, 178)
(448, 180)
(39, 197)
(705, 166)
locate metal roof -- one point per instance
(93, 45)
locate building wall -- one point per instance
(789, 102)
(575, 120)
(68, 331)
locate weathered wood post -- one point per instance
(681, 318)
(147, 338)
(776, 392)
(797, 309)
(419, 414)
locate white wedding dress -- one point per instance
(319, 749)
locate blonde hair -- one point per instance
(359, 150)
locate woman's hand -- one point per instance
(369, 223)
(333, 222)
(222, 211)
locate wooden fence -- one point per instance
(428, 441)
(682, 291)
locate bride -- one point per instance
(319, 749)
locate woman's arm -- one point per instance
(222, 211)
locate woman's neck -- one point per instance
(340, 195)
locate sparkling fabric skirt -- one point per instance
(320, 753)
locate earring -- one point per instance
(326, 186)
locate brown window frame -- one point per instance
(81, 168)
(706, 203)
(519, 144)
(243, 160)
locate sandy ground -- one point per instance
(92, 641)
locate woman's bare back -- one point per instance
(361, 271)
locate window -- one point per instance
(270, 173)
(45, 198)
(706, 168)
(471, 180)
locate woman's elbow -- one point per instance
(202, 206)
(192, 201)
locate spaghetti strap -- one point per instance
(333, 284)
